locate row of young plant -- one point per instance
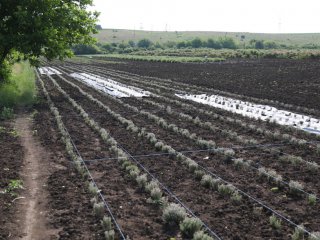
(275, 135)
(205, 179)
(311, 166)
(98, 207)
(192, 88)
(228, 153)
(173, 214)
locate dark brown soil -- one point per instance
(10, 164)
(291, 81)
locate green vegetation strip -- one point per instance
(19, 89)
(170, 59)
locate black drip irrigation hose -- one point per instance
(239, 190)
(102, 72)
(234, 148)
(94, 183)
(169, 192)
(257, 201)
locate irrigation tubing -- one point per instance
(93, 181)
(256, 200)
(105, 73)
(226, 182)
(252, 167)
(235, 148)
(170, 193)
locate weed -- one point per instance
(2, 129)
(6, 113)
(13, 186)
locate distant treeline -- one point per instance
(220, 43)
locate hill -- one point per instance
(123, 35)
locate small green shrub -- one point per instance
(314, 236)
(298, 233)
(98, 209)
(295, 187)
(109, 235)
(142, 181)
(275, 222)
(173, 214)
(312, 199)
(190, 225)
(201, 235)
(6, 113)
(106, 223)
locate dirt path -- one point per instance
(32, 207)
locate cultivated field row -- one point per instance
(244, 175)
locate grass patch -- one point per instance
(169, 59)
(19, 89)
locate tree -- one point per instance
(228, 42)
(211, 43)
(196, 43)
(144, 43)
(44, 28)
(81, 49)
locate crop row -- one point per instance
(192, 88)
(228, 153)
(274, 135)
(312, 166)
(173, 214)
(134, 129)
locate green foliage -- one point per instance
(173, 214)
(6, 113)
(201, 235)
(228, 43)
(19, 89)
(144, 43)
(275, 222)
(196, 43)
(13, 186)
(44, 28)
(81, 49)
(298, 233)
(190, 225)
(5, 70)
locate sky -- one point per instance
(268, 16)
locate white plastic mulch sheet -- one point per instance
(48, 71)
(109, 86)
(263, 112)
